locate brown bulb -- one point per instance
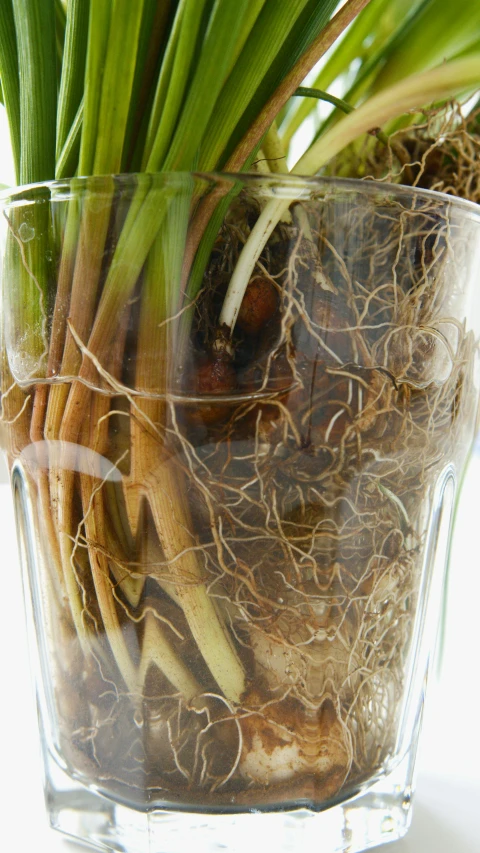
(258, 306)
(216, 376)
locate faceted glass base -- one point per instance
(374, 817)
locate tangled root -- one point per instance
(442, 154)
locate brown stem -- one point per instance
(86, 280)
(292, 81)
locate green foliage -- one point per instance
(440, 30)
(114, 85)
(99, 25)
(390, 40)
(255, 69)
(73, 69)
(36, 41)
(365, 38)
(117, 84)
(60, 27)
(9, 75)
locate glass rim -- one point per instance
(14, 195)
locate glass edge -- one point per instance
(12, 195)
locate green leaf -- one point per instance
(310, 23)
(163, 85)
(272, 28)
(67, 160)
(440, 30)
(73, 69)
(35, 26)
(98, 30)
(152, 43)
(372, 26)
(172, 83)
(251, 15)
(224, 27)
(9, 76)
(60, 25)
(117, 81)
(261, 123)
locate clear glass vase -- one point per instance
(236, 413)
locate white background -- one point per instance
(447, 810)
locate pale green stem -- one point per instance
(274, 151)
(158, 650)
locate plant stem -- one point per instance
(158, 650)
(274, 151)
(16, 410)
(155, 478)
(83, 296)
(29, 270)
(94, 521)
(343, 106)
(166, 496)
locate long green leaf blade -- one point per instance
(118, 76)
(73, 69)
(310, 23)
(60, 26)
(440, 30)
(173, 80)
(99, 25)
(9, 76)
(152, 43)
(35, 27)
(251, 14)
(225, 26)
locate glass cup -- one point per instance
(236, 412)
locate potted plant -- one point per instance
(237, 401)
